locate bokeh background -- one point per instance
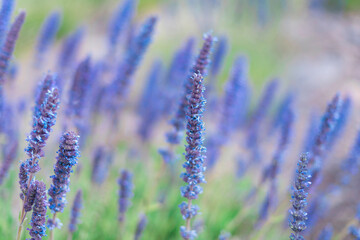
(313, 47)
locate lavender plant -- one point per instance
(125, 193)
(6, 11)
(140, 227)
(42, 125)
(47, 35)
(120, 19)
(9, 157)
(328, 123)
(258, 116)
(178, 121)
(69, 51)
(79, 89)
(195, 155)
(118, 89)
(67, 158)
(75, 212)
(38, 218)
(176, 75)
(298, 214)
(8, 46)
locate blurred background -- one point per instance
(312, 46)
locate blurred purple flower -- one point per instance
(9, 45)
(47, 35)
(125, 193)
(75, 211)
(140, 227)
(6, 11)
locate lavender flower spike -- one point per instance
(121, 17)
(119, 88)
(7, 8)
(69, 49)
(47, 35)
(298, 215)
(10, 156)
(195, 155)
(9, 44)
(125, 193)
(42, 125)
(75, 211)
(67, 158)
(38, 218)
(140, 227)
(80, 88)
(42, 90)
(200, 65)
(327, 125)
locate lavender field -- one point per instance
(204, 119)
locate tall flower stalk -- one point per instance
(178, 122)
(75, 213)
(67, 158)
(9, 45)
(195, 155)
(298, 215)
(42, 125)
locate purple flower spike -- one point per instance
(42, 125)
(328, 123)
(80, 89)
(67, 158)
(150, 106)
(140, 227)
(30, 198)
(23, 179)
(9, 44)
(69, 50)
(202, 61)
(38, 218)
(118, 89)
(298, 215)
(47, 35)
(121, 18)
(272, 171)
(75, 211)
(6, 11)
(10, 155)
(125, 193)
(44, 87)
(100, 165)
(258, 116)
(351, 164)
(176, 74)
(195, 154)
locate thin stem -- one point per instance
(23, 213)
(52, 231)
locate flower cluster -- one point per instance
(67, 158)
(42, 125)
(195, 152)
(178, 122)
(298, 215)
(38, 217)
(75, 211)
(125, 193)
(9, 44)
